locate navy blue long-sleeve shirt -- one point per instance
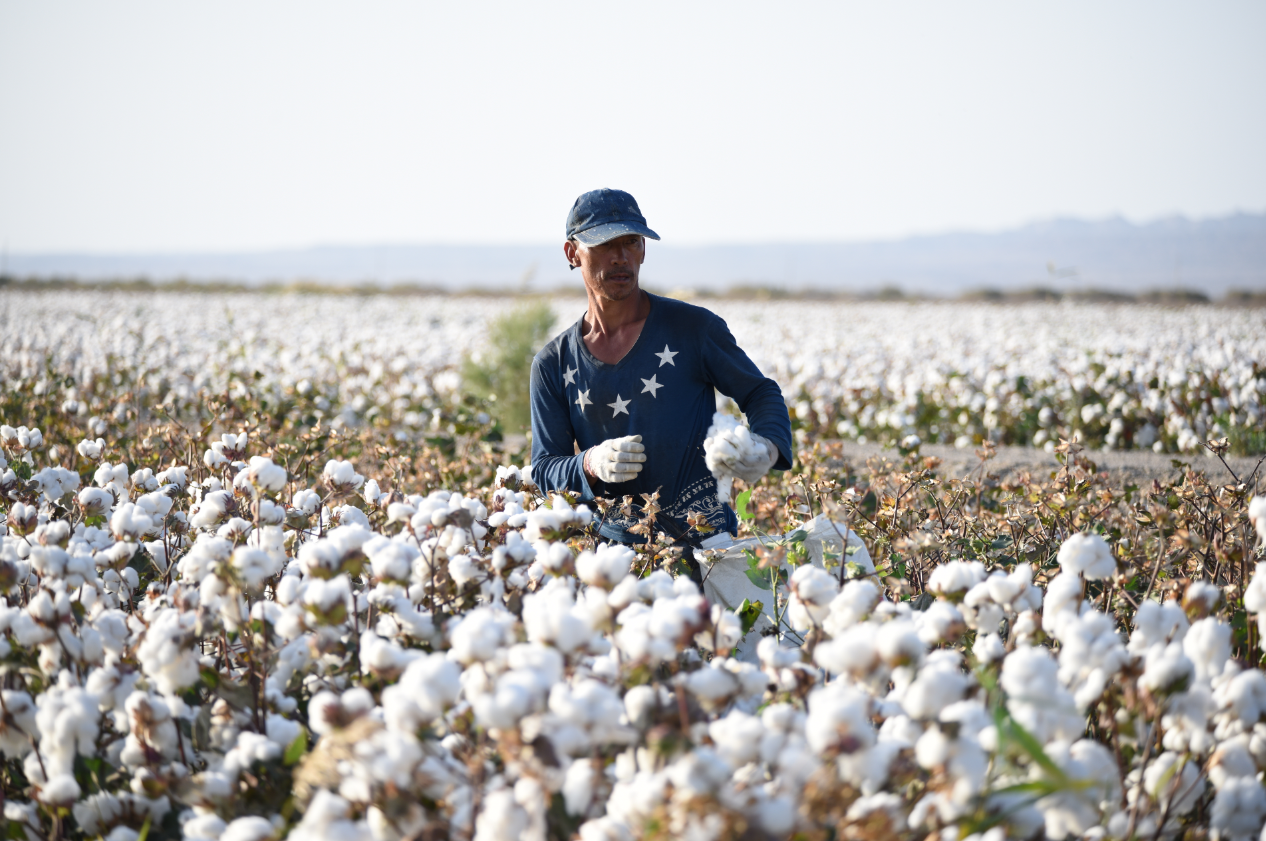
(664, 389)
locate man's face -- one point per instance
(610, 270)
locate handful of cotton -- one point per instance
(731, 451)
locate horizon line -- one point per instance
(317, 246)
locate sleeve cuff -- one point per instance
(586, 490)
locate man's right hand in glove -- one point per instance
(616, 459)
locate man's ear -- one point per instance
(573, 259)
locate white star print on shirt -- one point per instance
(667, 357)
(569, 376)
(619, 406)
(582, 399)
(652, 386)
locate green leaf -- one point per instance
(1014, 732)
(797, 536)
(1038, 788)
(756, 575)
(749, 612)
(740, 505)
(297, 748)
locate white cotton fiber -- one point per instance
(729, 442)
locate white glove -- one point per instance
(755, 462)
(616, 459)
(731, 451)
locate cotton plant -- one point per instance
(219, 639)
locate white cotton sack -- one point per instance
(727, 444)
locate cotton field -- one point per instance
(267, 573)
(1111, 376)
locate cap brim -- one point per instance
(599, 234)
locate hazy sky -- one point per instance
(234, 125)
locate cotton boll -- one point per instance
(326, 819)
(812, 590)
(112, 477)
(1167, 669)
(1030, 677)
(1087, 555)
(14, 738)
(556, 558)
(940, 623)
(349, 515)
(1092, 654)
(854, 652)
(151, 730)
(737, 737)
(1257, 514)
(250, 749)
(480, 634)
(1231, 760)
(838, 720)
(1200, 599)
(95, 502)
(342, 476)
(898, 644)
(167, 652)
(980, 612)
(724, 633)
(176, 476)
(501, 818)
(777, 815)
(251, 828)
(937, 685)
(713, 687)
(1063, 599)
(954, 579)
(1238, 810)
(211, 510)
(1243, 696)
(1078, 810)
(306, 500)
(392, 561)
(61, 790)
(143, 480)
(1156, 623)
(56, 482)
(328, 601)
(854, 603)
(255, 566)
(1255, 593)
(91, 449)
(130, 522)
(578, 786)
(606, 566)
(1208, 647)
(605, 829)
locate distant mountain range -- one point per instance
(1212, 256)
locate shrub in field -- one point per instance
(501, 372)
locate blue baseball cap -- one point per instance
(600, 216)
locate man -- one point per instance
(633, 385)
